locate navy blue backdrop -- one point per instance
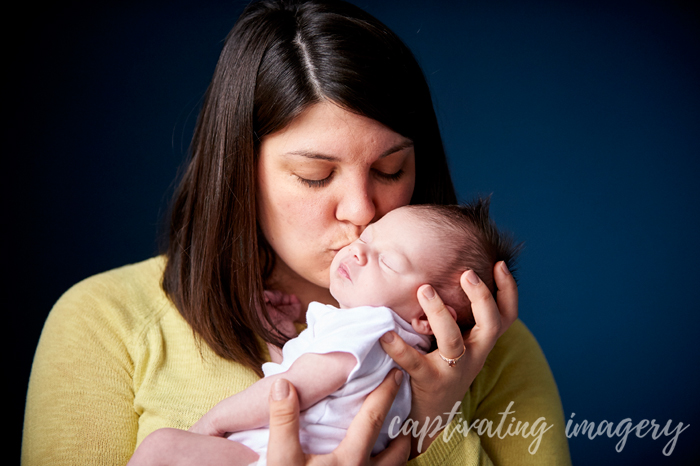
(580, 117)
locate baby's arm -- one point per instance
(174, 447)
(315, 376)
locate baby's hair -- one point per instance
(471, 241)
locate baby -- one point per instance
(337, 361)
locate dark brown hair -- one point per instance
(280, 58)
(472, 240)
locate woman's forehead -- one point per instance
(328, 132)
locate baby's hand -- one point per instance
(282, 306)
(205, 426)
(283, 309)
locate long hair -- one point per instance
(280, 58)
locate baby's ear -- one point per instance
(452, 311)
(421, 325)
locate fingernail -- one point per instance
(473, 277)
(280, 390)
(388, 337)
(398, 377)
(504, 267)
(429, 292)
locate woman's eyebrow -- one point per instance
(313, 155)
(398, 147)
(330, 158)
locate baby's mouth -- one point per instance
(344, 272)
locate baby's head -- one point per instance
(415, 245)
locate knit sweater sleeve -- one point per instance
(516, 380)
(80, 402)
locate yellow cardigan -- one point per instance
(116, 361)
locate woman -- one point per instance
(317, 122)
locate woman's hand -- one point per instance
(436, 385)
(355, 449)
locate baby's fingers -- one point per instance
(278, 298)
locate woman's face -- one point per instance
(322, 180)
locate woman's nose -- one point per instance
(356, 204)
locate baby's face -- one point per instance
(386, 265)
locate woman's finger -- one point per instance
(405, 356)
(507, 295)
(284, 447)
(487, 319)
(365, 427)
(442, 322)
(396, 453)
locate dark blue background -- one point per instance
(582, 119)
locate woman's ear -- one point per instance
(421, 325)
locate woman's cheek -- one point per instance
(393, 197)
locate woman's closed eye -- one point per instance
(315, 183)
(388, 177)
(320, 183)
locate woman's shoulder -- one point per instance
(137, 277)
(123, 299)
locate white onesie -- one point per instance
(356, 331)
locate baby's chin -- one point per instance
(344, 301)
(334, 291)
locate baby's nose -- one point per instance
(360, 255)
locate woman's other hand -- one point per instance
(285, 449)
(436, 385)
